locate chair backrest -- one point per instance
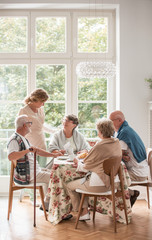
(150, 162)
(112, 164)
(13, 165)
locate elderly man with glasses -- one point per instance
(133, 151)
(20, 149)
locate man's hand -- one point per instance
(125, 156)
(32, 149)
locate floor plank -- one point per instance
(21, 225)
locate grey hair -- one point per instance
(20, 121)
(106, 127)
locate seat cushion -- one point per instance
(93, 193)
(29, 185)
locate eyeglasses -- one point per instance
(114, 119)
(28, 123)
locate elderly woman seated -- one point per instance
(68, 134)
(108, 147)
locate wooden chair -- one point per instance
(14, 186)
(147, 182)
(111, 167)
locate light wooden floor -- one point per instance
(20, 225)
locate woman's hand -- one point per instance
(75, 160)
(56, 154)
(83, 151)
(62, 151)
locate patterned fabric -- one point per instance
(60, 203)
(22, 170)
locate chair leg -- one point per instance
(80, 207)
(123, 194)
(10, 200)
(42, 200)
(21, 195)
(114, 211)
(11, 203)
(113, 201)
(94, 209)
(148, 197)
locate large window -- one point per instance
(41, 49)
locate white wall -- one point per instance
(136, 62)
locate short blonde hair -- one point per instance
(106, 127)
(37, 95)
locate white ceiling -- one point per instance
(91, 4)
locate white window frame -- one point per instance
(34, 15)
(110, 55)
(17, 14)
(70, 58)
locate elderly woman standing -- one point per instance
(68, 134)
(34, 109)
(108, 147)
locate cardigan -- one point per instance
(22, 170)
(134, 142)
(103, 150)
(59, 140)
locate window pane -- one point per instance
(51, 34)
(92, 89)
(13, 34)
(8, 113)
(54, 113)
(52, 79)
(92, 35)
(88, 115)
(4, 163)
(13, 82)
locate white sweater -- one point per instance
(58, 141)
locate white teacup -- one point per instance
(71, 156)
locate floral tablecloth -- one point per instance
(60, 203)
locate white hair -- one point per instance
(20, 120)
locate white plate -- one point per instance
(63, 157)
(69, 160)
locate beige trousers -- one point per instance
(75, 197)
(135, 178)
(43, 177)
